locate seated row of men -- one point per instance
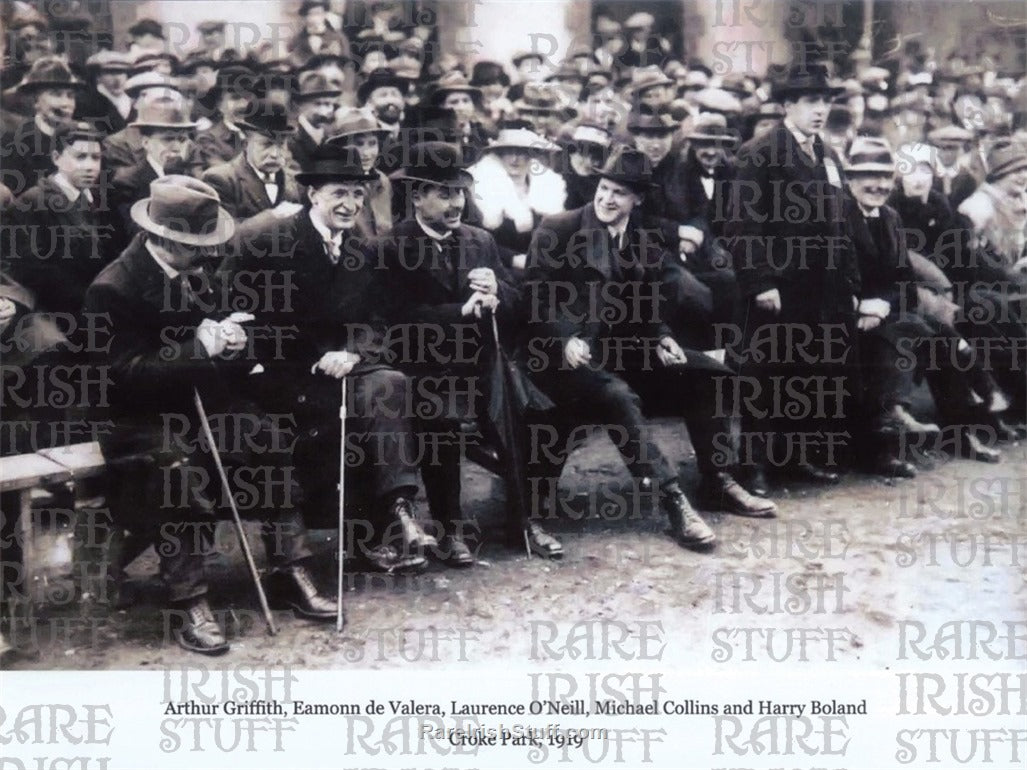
(419, 321)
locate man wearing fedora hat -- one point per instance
(599, 364)
(315, 101)
(166, 134)
(359, 129)
(174, 328)
(316, 36)
(333, 321)
(125, 147)
(28, 148)
(453, 92)
(709, 170)
(786, 231)
(445, 277)
(257, 179)
(230, 100)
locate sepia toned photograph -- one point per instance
(490, 384)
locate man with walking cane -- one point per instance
(174, 346)
(325, 329)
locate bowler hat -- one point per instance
(70, 132)
(48, 72)
(185, 210)
(805, 79)
(438, 163)
(267, 117)
(333, 163)
(629, 167)
(650, 122)
(147, 27)
(382, 77)
(487, 73)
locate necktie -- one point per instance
(333, 248)
(447, 261)
(809, 149)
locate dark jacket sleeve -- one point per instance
(749, 208)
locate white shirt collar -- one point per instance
(69, 189)
(168, 269)
(873, 213)
(617, 233)
(232, 126)
(265, 178)
(122, 101)
(155, 166)
(43, 126)
(434, 234)
(315, 133)
(800, 137)
(335, 239)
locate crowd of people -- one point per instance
(493, 257)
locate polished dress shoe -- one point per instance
(294, 587)
(454, 551)
(199, 632)
(720, 492)
(899, 420)
(385, 558)
(893, 467)
(813, 473)
(537, 541)
(686, 526)
(414, 536)
(756, 482)
(972, 448)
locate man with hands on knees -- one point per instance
(172, 333)
(602, 353)
(325, 325)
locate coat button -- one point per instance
(302, 399)
(313, 432)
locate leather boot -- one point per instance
(686, 526)
(199, 632)
(720, 492)
(294, 587)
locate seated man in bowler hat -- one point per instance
(170, 332)
(331, 328)
(602, 353)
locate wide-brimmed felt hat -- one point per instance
(333, 163)
(650, 122)
(46, 73)
(451, 83)
(520, 138)
(185, 210)
(439, 163)
(353, 122)
(147, 59)
(382, 77)
(870, 155)
(712, 128)
(267, 117)
(629, 167)
(164, 114)
(109, 61)
(314, 85)
(644, 78)
(542, 98)
(1005, 159)
(802, 79)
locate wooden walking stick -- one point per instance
(236, 519)
(342, 504)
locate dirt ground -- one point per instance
(871, 550)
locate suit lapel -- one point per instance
(254, 193)
(595, 243)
